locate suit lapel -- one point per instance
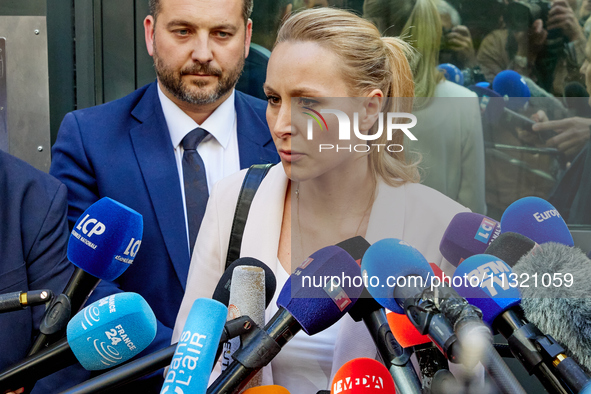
(155, 156)
(255, 145)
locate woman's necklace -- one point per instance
(367, 210)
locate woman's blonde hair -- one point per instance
(419, 23)
(368, 62)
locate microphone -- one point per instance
(486, 282)
(391, 259)
(559, 309)
(153, 362)
(362, 375)
(247, 298)
(538, 220)
(103, 244)
(374, 316)
(468, 234)
(302, 306)
(511, 85)
(273, 389)
(510, 247)
(106, 333)
(19, 300)
(194, 356)
(452, 73)
(222, 290)
(576, 98)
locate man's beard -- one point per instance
(173, 82)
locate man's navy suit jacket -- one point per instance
(33, 244)
(123, 150)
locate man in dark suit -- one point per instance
(132, 149)
(33, 243)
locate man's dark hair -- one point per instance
(246, 9)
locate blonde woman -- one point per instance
(449, 130)
(324, 58)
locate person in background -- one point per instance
(573, 133)
(160, 149)
(33, 244)
(449, 132)
(324, 58)
(456, 42)
(549, 53)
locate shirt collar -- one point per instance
(220, 124)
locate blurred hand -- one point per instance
(572, 133)
(561, 16)
(531, 41)
(460, 41)
(19, 391)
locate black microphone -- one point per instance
(295, 302)
(21, 299)
(394, 356)
(576, 98)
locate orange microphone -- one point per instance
(362, 375)
(274, 389)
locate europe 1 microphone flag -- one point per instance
(195, 352)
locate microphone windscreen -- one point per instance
(247, 297)
(559, 305)
(512, 85)
(273, 389)
(537, 219)
(106, 239)
(510, 247)
(484, 281)
(365, 305)
(222, 290)
(467, 234)
(356, 247)
(387, 261)
(322, 289)
(195, 352)
(452, 73)
(404, 331)
(111, 330)
(575, 89)
(362, 375)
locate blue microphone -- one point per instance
(302, 306)
(489, 283)
(106, 333)
(102, 245)
(452, 73)
(538, 220)
(511, 85)
(195, 352)
(484, 281)
(389, 262)
(468, 234)
(106, 239)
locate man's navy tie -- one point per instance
(196, 192)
